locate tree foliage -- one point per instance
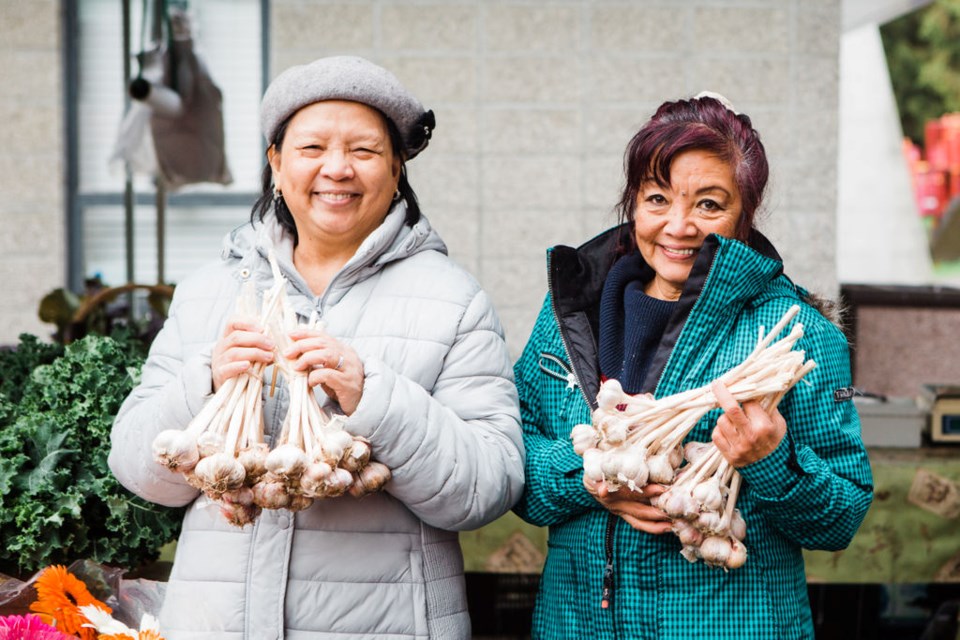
(923, 54)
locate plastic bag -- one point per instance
(129, 599)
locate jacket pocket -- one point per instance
(559, 384)
(556, 613)
(698, 601)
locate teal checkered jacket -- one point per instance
(812, 492)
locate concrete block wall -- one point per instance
(536, 100)
(32, 219)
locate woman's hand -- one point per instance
(745, 434)
(633, 506)
(333, 365)
(242, 344)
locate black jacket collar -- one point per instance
(575, 278)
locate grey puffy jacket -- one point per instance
(439, 407)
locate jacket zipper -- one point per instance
(609, 582)
(606, 601)
(608, 579)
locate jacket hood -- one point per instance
(393, 240)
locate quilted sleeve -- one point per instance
(173, 388)
(554, 489)
(816, 487)
(455, 453)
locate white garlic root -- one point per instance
(638, 439)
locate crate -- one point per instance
(894, 422)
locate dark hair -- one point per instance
(266, 202)
(704, 124)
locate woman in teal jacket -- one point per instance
(668, 301)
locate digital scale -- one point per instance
(944, 414)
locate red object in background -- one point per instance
(930, 189)
(953, 188)
(950, 140)
(933, 144)
(912, 154)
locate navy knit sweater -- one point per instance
(631, 323)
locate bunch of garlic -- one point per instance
(314, 457)
(221, 450)
(637, 439)
(702, 504)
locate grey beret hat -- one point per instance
(347, 78)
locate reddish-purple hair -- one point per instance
(703, 124)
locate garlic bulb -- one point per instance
(357, 455)
(299, 502)
(610, 395)
(715, 551)
(689, 535)
(611, 463)
(707, 494)
(738, 555)
(335, 445)
(209, 443)
(709, 522)
(593, 464)
(371, 478)
(219, 473)
(633, 470)
(176, 450)
(584, 437)
(661, 469)
(239, 515)
(738, 526)
(254, 461)
(314, 479)
(286, 461)
(270, 493)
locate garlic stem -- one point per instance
(202, 420)
(728, 509)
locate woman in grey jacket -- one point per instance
(412, 353)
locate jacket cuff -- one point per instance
(197, 383)
(568, 486)
(772, 477)
(375, 401)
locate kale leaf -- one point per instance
(59, 501)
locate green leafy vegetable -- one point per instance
(17, 364)
(58, 500)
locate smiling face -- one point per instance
(337, 171)
(671, 223)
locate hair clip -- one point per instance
(422, 130)
(719, 98)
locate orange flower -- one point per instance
(59, 598)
